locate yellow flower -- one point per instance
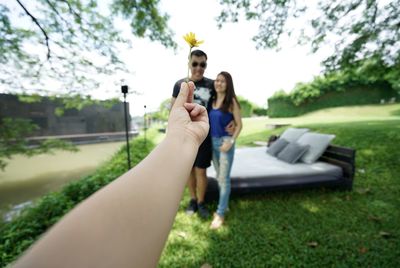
(190, 38)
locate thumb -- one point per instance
(185, 94)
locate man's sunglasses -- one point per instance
(202, 64)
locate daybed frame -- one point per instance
(340, 156)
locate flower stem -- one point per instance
(188, 75)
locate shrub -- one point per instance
(260, 111)
(356, 86)
(246, 107)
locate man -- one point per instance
(203, 93)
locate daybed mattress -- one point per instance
(254, 168)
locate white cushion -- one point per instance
(318, 143)
(277, 146)
(292, 152)
(293, 134)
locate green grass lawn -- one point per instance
(310, 228)
(255, 128)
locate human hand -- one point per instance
(188, 120)
(225, 147)
(230, 128)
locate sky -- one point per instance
(257, 74)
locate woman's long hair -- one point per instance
(227, 104)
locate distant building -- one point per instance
(106, 123)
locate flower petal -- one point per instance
(190, 38)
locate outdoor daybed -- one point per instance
(320, 165)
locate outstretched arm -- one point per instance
(172, 102)
(126, 223)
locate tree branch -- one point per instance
(72, 10)
(58, 13)
(40, 27)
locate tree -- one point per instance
(70, 42)
(163, 110)
(13, 133)
(246, 107)
(360, 29)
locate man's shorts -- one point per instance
(204, 155)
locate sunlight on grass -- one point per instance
(368, 152)
(326, 228)
(310, 206)
(332, 115)
(259, 128)
(379, 204)
(256, 128)
(276, 227)
(378, 110)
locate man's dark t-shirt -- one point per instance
(202, 95)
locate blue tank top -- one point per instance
(218, 121)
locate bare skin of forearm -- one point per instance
(104, 230)
(237, 132)
(238, 128)
(238, 120)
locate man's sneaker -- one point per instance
(203, 211)
(192, 208)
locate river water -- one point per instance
(25, 179)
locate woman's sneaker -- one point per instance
(192, 207)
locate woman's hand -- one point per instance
(188, 120)
(231, 127)
(226, 146)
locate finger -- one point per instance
(182, 96)
(191, 90)
(198, 109)
(194, 109)
(189, 106)
(230, 125)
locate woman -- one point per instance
(225, 108)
